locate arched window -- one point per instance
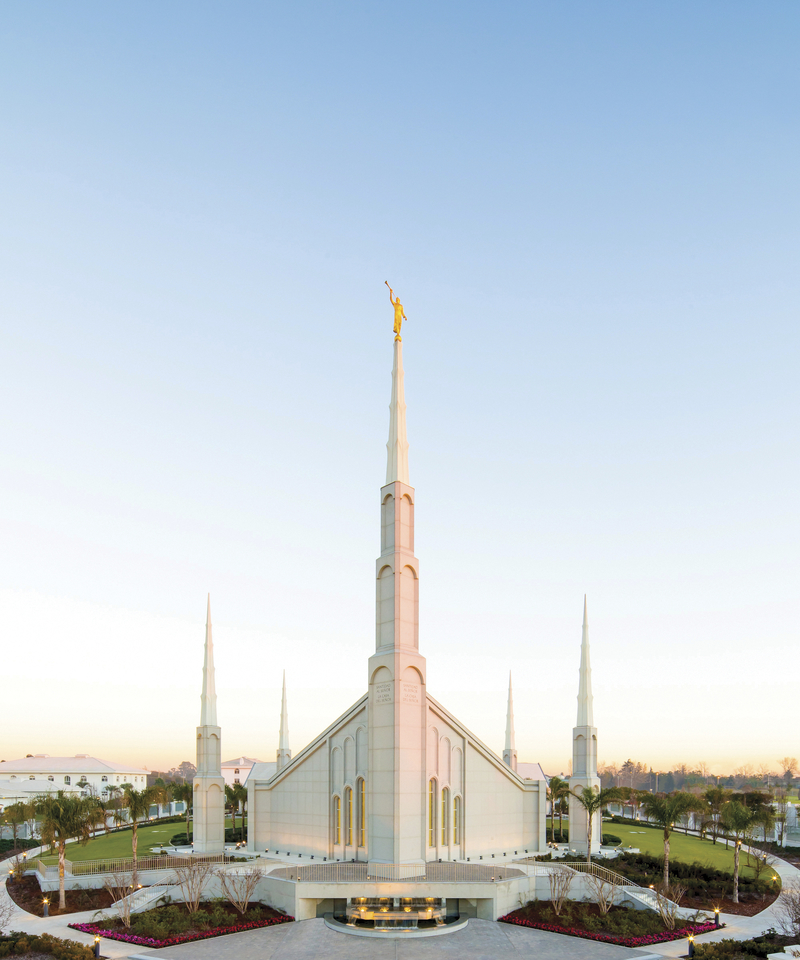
(432, 813)
(236, 770)
(67, 780)
(337, 819)
(51, 777)
(362, 813)
(445, 814)
(348, 816)
(32, 777)
(456, 819)
(104, 779)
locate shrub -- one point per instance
(762, 946)
(611, 839)
(16, 943)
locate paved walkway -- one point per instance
(311, 940)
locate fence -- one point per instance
(88, 868)
(397, 873)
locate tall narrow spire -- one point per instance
(284, 750)
(397, 446)
(585, 707)
(510, 752)
(208, 698)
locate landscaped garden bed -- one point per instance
(706, 887)
(173, 924)
(744, 949)
(26, 893)
(623, 926)
(24, 945)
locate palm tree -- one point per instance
(714, 797)
(138, 803)
(15, 815)
(555, 791)
(184, 793)
(738, 820)
(664, 809)
(65, 817)
(240, 793)
(592, 801)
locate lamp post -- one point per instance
(46, 907)
(97, 946)
(691, 946)
(716, 917)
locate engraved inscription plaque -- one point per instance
(410, 693)
(383, 693)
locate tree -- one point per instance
(183, 793)
(556, 789)
(715, 798)
(187, 771)
(240, 792)
(15, 814)
(138, 804)
(665, 809)
(239, 885)
(593, 802)
(738, 820)
(789, 767)
(65, 817)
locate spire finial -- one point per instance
(397, 446)
(585, 706)
(208, 698)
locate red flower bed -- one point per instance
(94, 929)
(643, 941)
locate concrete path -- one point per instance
(311, 939)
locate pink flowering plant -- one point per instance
(178, 938)
(642, 940)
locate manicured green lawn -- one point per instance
(688, 849)
(119, 844)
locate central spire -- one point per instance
(208, 698)
(585, 707)
(397, 446)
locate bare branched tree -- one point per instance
(560, 880)
(192, 878)
(119, 884)
(604, 893)
(7, 911)
(787, 910)
(239, 886)
(668, 898)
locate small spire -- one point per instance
(510, 752)
(283, 740)
(208, 698)
(397, 445)
(510, 718)
(585, 706)
(284, 754)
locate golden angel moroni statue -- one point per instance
(399, 314)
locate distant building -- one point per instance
(238, 770)
(22, 779)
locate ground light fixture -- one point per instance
(97, 946)
(691, 946)
(46, 907)
(716, 917)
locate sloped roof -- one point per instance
(28, 765)
(530, 771)
(240, 762)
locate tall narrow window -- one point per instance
(362, 813)
(337, 820)
(445, 813)
(432, 813)
(456, 819)
(348, 816)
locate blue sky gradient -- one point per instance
(590, 212)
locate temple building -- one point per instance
(396, 783)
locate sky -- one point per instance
(590, 212)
